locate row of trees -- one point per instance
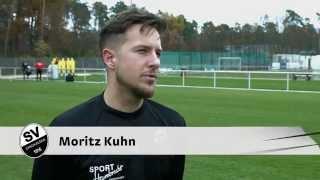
(70, 28)
(294, 35)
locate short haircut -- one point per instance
(113, 33)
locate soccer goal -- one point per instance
(229, 63)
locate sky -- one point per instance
(229, 11)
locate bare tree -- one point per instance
(10, 16)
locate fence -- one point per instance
(81, 74)
(256, 80)
(82, 62)
(255, 59)
(259, 60)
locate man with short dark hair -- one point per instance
(130, 45)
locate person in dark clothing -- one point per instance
(69, 78)
(131, 47)
(26, 70)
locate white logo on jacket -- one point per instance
(105, 172)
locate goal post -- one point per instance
(229, 63)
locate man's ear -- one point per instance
(108, 56)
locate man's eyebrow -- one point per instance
(142, 46)
(146, 47)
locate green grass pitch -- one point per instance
(23, 102)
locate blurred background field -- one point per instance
(23, 102)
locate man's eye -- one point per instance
(142, 51)
(158, 54)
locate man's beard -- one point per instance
(138, 92)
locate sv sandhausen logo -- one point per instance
(107, 172)
(33, 140)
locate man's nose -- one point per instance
(154, 60)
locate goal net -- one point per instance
(229, 63)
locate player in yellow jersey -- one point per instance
(73, 66)
(68, 66)
(62, 67)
